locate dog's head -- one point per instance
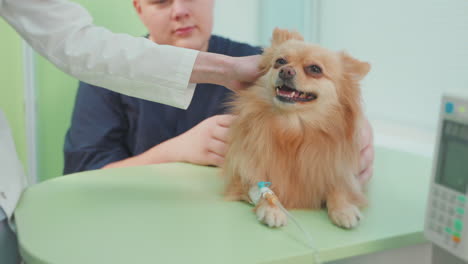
(302, 77)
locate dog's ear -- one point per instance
(281, 35)
(356, 69)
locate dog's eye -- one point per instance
(280, 62)
(314, 70)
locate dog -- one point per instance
(298, 128)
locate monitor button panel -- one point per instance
(447, 212)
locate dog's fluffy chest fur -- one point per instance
(300, 161)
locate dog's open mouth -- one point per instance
(290, 95)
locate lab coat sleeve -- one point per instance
(64, 33)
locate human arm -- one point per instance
(235, 73)
(204, 144)
(64, 33)
(367, 153)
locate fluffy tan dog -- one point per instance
(298, 128)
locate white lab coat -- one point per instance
(12, 177)
(64, 33)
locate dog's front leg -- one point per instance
(341, 211)
(268, 212)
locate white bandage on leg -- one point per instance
(258, 192)
(255, 195)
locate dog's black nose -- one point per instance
(287, 73)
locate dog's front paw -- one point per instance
(271, 215)
(346, 217)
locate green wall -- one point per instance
(56, 90)
(11, 86)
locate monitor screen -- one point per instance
(452, 171)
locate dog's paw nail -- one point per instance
(272, 216)
(347, 217)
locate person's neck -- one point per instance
(204, 48)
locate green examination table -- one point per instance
(175, 213)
